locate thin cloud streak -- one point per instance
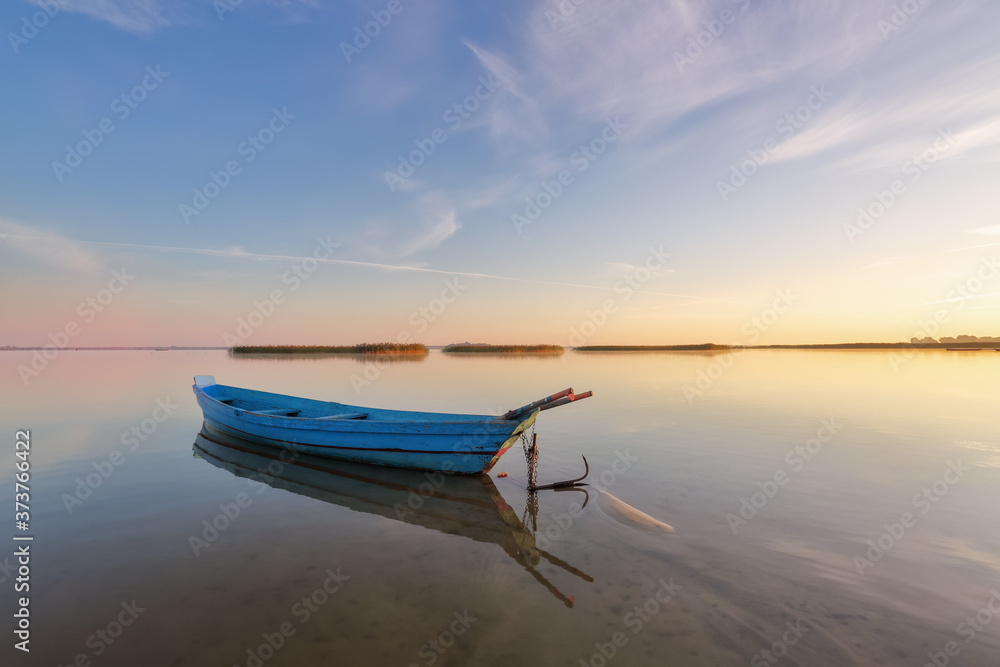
(134, 16)
(143, 17)
(974, 247)
(375, 265)
(961, 298)
(49, 248)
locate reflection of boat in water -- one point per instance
(471, 507)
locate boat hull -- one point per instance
(457, 444)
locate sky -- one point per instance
(187, 172)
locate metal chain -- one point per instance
(526, 446)
(529, 517)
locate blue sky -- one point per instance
(645, 124)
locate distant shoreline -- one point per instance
(713, 347)
(550, 349)
(480, 348)
(159, 348)
(363, 348)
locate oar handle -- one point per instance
(517, 412)
(569, 399)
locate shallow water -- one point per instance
(852, 440)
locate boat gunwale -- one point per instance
(243, 413)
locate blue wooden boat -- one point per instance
(454, 443)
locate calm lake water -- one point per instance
(828, 509)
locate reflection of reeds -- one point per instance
(505, 349)
(363, 348)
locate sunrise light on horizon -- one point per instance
(597, 173)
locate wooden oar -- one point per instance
(515, 413)
(569, 399)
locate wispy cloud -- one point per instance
(437, 234)
(254, 256)
(563, 69)
(147, 16)
(617, 269)
(513, 111)
(886, 262)
(964, 298)
(973, 247)
(993, 230)
(563, 78)
(48, 248)
(890, 97)
(908, 93)
(436, 222)
(135, 16)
